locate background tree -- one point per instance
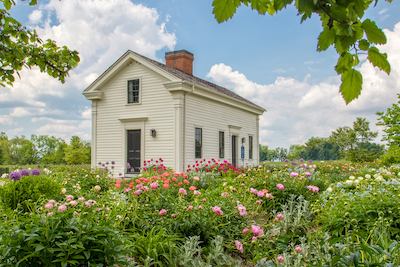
(78, 151)
(294, 152)
(391, 122)
(20, 47)
(341, 27)
(281, 153)
(319, 148)
(355, 143)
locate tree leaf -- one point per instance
(351, 85)
(225, 9)
(363, 44)
(326, 39)
(378, 59)
(374, 34)
(260, 5)
(345, 63)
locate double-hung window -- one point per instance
(198, 142)
(250, 147)
(221, 145)
(133, 91)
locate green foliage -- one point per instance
(61, 240)
(157, 244)
(21, 194)
(192, 254)
(78, 151)
(341, 27)
(355, 143)
(391, 156)
(391, 121)
(23, 48)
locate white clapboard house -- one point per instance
(143, 109)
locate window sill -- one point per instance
(132, 104)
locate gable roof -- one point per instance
(181, 75)
(197, 81)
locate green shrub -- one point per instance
(61, 240)
(28, 189)
(391, 156)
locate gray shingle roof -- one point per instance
(197, 81)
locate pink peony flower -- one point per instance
(190, 207)
(182, 191)
(197, 193)
(242, 210)
(298, 249)
(52, 201)
(254, 238)
(280, 186)
(97, 187)
(70, 197)
(62, 208)
(294, 174)
(154, 185)
(280, 216)
(307, 174)
(276, 219)
(73, 203)
(254, 191)
(204, 199)
(260, 194)
(257, 230)
(63, 190)
(81, 199)
(217, 210)
(245, 230)
(258, 202)
(163, 212)
(196, 178)
(173, 215)
(48, 206)
(239, 246)
(280, 258)
(224, 194)
(137, 192)
(200, 207)
(126, 190)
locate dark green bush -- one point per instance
(31, 188)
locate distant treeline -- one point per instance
(353, 144)
(43, 149)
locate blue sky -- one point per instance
(271, 61)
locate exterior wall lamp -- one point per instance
(153, 132)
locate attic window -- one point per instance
(133, 91)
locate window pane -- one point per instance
(221, 145)
(198, 142)
(133, 91)
(250, 147)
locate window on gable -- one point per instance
(198, 142)
(250, 147)
(221, 145)
(133, 91)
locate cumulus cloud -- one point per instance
(298, 110)
(101, 30)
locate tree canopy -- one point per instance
(342, 27)
(20, 47)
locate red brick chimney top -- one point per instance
(181, 59)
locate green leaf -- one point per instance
(351, 85)
(374, 34)
(33, 2)
(345, 63)
(7, 4)
(260, 5)
(225, 9)
(363, 44)
(378, 59)
(326, 39)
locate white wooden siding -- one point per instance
(212, 117)
(156, 104)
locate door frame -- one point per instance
(136, 170)
(128, 124)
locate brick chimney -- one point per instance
(180, 59)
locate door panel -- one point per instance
(134, 151)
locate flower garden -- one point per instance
(299, 214)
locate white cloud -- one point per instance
(6, 120)
(298, 110)
(14, 131)
(101, 30)
(35, 16)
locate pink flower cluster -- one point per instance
(224, 194)
(280, 186)
(182, 191)
(260, 194)
(268, 195)
(279, 217)
(196, 192)
(254, 191)
(294, 174)
(154, 185)
(163, 212)
(239, 246)
(313, 188)
(257, 230)
(217, 210)
(242, 210)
